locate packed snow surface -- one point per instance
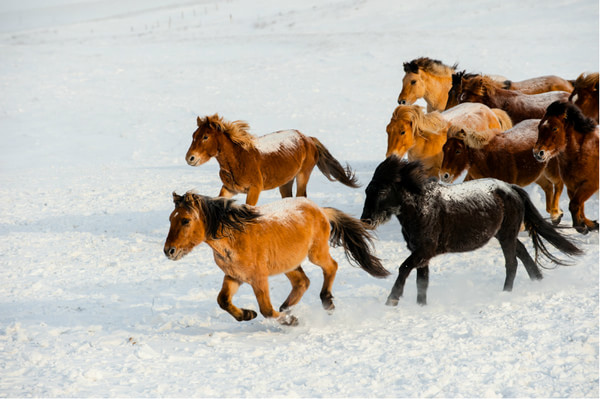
(99, 103)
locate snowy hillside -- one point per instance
(99, 103)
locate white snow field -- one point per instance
(99, 101)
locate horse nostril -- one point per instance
(541, 153)
(191, 158)
(446, 176)
(402, 102)
(169, 251)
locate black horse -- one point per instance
(437, 219)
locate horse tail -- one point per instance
(356, 240)
(503, 119)
(538, 227)
(331, 168)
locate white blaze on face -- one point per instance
(574, 99)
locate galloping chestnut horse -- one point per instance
(429, 79)
(422, 135)
(250, 164)
(571, 137)
(506, 156)
(252, 243)
(437, 219)
(519, 106)
(585, 95)
(542, 84)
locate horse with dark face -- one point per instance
(252, 243)
(565, 133)
(519, 106)
(437, 219)
(505, 156)
(585, 95)
(250, 164)
(542, 84)
(429, 79)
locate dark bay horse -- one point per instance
(252, 243)
(506, 156)
(565, 133)
(519, 106)
(585, 95)
(541, 84)
(437, 219)
(250, 164)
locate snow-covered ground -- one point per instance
(99, 101)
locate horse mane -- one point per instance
(481, 85)
(458, 76)
(237, 131)
(586, 81)
(427, 124)
(410, 174)
(221, 215)
(429, 65)
(472, 138)
(572, 116)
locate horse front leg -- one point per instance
(230, 287)
(576, 206)
(414, 260)
(261, 291)
(252, 195)
(224, 192)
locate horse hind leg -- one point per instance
(510, 257)
(532, 268)
(286, 189)
(576, 206)
(413, 261)
(261, 291)
(323, 259)
(300, 283)
(422, 284)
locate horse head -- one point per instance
(585, 94)
(413, 86)
(401, 130)
(475, 89)
(204, 140)
(197, 218)
(391, 178)
(455, 159)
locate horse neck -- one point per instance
(436, 94)
(231, 156)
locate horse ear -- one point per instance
(461, 134)
(596, 86)
(177, 198)
(199, 121)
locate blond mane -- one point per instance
(423, 124)
(429, 65)
(237, 131)
(472, 138)
(586, 81)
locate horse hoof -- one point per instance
(582, 228)
(248, 314)
(328, 305)
(288, 320)
(556, 221)
(392, 302)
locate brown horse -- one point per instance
(252, 243)
(421, 135)
(519, 106)
(571, 137)
(250, 164)
(542, 84)
(429, 79)
(506, 156)
(585, 95)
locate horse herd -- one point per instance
(504, 134)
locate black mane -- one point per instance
(396, 170)
(574, 116)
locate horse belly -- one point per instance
(468, 229)
(278, 169)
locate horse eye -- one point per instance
(458, 152)
(555, 129)
(413, 82)
(185, 221)
(402, 133)
(205, 137)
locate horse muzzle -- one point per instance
(194, 160)
(446, 177)
(174, 253)
(541, 155)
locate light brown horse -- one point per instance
(506, 156)
(429, 79)
(519, 106)
(421, 135)
(565, 133)
(250, 164)
(585, 95)
(542, 84)
(252, 243)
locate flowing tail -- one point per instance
(332, 169)
(353, 235)
(538, 227)
(503, 119)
